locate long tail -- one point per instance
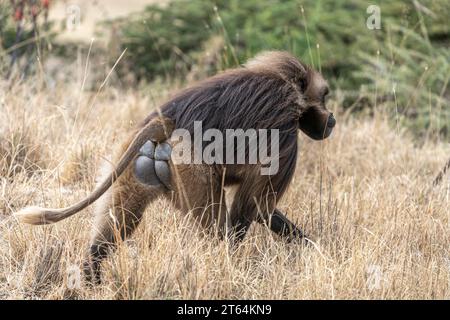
(158, 129)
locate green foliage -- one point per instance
(414, 76)
(161, 40)
(22, 37)
(7, 31)
(164, 39)
(329, 34)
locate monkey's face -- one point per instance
(315, 120)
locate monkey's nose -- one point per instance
(331, 121)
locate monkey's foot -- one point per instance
(151, 166)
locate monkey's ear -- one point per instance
(302, 77)
(298, 72)
(302, 83)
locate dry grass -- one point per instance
(359, 195)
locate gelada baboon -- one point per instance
(274, 90)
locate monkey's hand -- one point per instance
(151, 166)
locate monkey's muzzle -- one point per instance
(151, 166)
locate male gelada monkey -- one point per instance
(274, 90)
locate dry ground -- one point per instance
(360, 195)
(92, 12)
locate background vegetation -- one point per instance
(193, 39)
(410, 52)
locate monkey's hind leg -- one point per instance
(117, 216)
(121, 208)
(120, 211)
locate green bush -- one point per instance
(161, 39)
(413, 75)
(329, 34)
(34, 35)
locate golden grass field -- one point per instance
(362, 196)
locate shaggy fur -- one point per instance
(272, 91)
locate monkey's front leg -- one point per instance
(282, 226)
(247, 206)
